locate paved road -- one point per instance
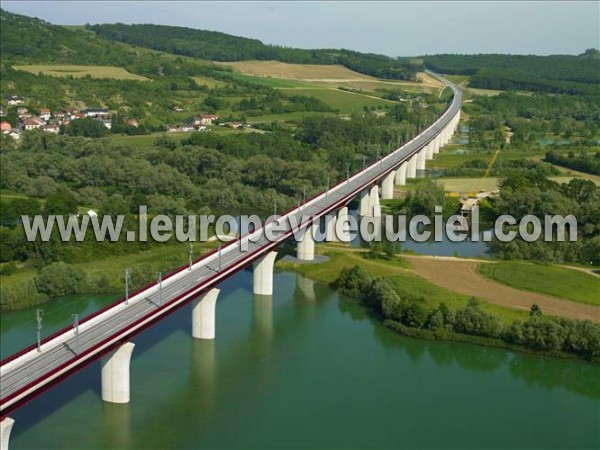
(26, 374)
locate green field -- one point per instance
(117, 73)
(345, 102)
(559, 282)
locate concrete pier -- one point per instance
(262, 277)
(387, 186)
(342, 226)
(421, 159)
(5, 429)
(330, 222)
(305, 249)
(203, 315)
(364, 208)
(411, 172)
(115, 374)
(401, 174)
(375, 206)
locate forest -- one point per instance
(584, 162)
(555, 74)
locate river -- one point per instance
(307, 369)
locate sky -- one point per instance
(392, 28)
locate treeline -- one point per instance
(584, 162)
(556, 74)
(501, 168)
(400, 310)
(530, 193)
(216, 46)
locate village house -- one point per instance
(96, 112)
(208, 119)
(14, 100)
(132, 123)
(14, 134)
(107, 123)
(5, 127)
(177, 109)
(45, 114)
(55, 129)
(22, 112)
(29, 123)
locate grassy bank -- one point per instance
(18, 290)
(552, 280)
(399, 271)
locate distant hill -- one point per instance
(556, 73)
(31, 39)
(27, 40)
(217, 46)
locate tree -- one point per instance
(59, 279)
(61, 202)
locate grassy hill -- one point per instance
(217, 46)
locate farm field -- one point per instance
(283, 70)
(552, 280)
(117, 73)
(345, 102)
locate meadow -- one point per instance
(546, 279)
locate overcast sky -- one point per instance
(392, 28)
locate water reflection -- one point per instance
(262, 316)
(306, 287)
(115, 425)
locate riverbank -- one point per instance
(106, 276)
(430, 310)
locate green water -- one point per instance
(308, 370)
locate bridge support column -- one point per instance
(5, 429)
(411, 171)
(365, 203)
(306, 245)
(375, 206)
(429, 151)
(387, 186)
(342, 216)
(401, 174)
(436, 145)
(115, 374)
(262, 279)
(203, 315)
(422, 157)
(330, 222)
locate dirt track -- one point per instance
(461, 276)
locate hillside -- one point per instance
(27, 40)
(217, 46)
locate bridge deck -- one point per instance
(26, 374)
